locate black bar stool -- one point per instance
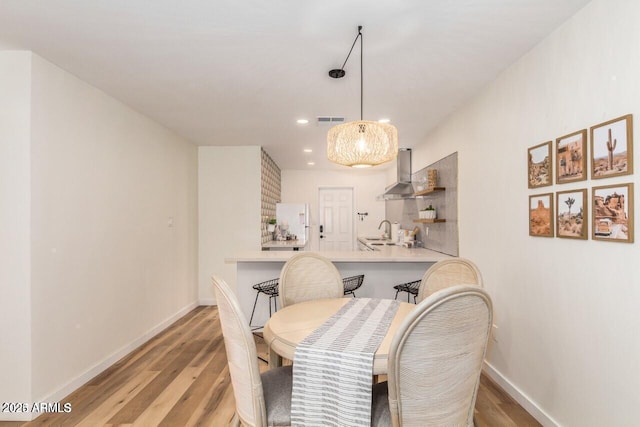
(269, 288)
(352, 283)
(411, 288)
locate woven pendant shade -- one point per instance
(362, 143)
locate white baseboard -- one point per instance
(529, 405)
(98, 368)
(207, 301)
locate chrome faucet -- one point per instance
(387, 228)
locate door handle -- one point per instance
(321, 228)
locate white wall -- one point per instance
(303, 185)
(97, 182)
(229, 194)
(15, 218)
(567, 311)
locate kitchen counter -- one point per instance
(379, 251)
(380, 254)
(284, 244)
(383, 268)
(380, 244)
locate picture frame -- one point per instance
(612, 148)
(539, 165)
(572, 214)
(541, 215)
(612, 215)
(571, 157)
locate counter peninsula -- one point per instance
(383, 268)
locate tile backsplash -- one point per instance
(271, 193)
(442, 236)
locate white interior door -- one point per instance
(336, 219)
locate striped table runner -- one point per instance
(333, 367)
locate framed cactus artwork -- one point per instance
(612, 148)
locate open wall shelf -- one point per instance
(428, 191)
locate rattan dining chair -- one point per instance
(448, 272)
(261, 399)
(435, 361)
(308, 276)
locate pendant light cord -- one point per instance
(338, 75)
(351, 50)
(361, 80)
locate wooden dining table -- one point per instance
(289, 326)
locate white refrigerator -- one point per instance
(294, 217)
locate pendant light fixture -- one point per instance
(361, 143)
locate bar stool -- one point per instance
(411, 288)
(269, 288)
(352, 283)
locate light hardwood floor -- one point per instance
(180, 378)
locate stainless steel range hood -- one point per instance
(402, 187)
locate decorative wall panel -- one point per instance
(271, 193)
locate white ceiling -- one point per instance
(231, 72)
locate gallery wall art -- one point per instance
(612, 148)
(571, 157)
(569, 213)
(613, 213)
(539, 165)
(541, 215)
(572, 219)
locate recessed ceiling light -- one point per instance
(308, 150)
(302, 121)
(384, 120)
(311, 163)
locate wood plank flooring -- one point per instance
(180, 378)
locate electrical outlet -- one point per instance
(494, 332)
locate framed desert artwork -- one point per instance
(612, 148)
(571, 214)
(571, 157)
(539, 165)
(613, 213)
(541, 215)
